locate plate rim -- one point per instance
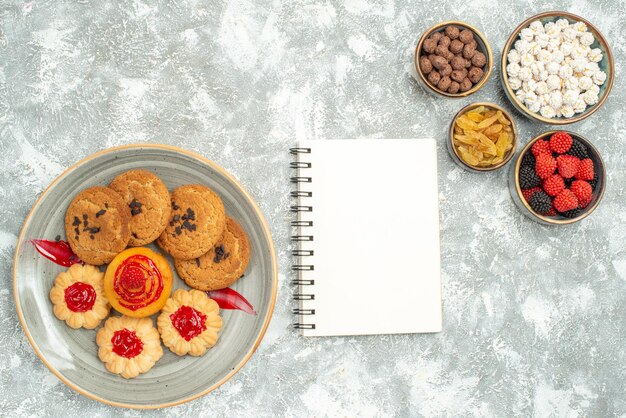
(264, 226)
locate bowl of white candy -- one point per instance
(557, 68)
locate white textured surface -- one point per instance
(533, 316)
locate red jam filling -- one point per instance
(126, 343)
(80, 297)
(138, 282)
(188, 321)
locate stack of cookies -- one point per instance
(210, 250)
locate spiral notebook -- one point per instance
(367, 234)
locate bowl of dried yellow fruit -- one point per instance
(483, 137)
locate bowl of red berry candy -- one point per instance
(558, 178)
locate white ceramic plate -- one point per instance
(72, 354)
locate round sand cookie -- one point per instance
(220, 267)
(149, 202)
(196, 222)
(96, 225)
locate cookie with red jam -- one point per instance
(78, 297)
(189, 323)
(128, 346)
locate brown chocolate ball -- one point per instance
(475, 74)
(441, 50)
(434, 77)
(466, 84)
(468, 51)
(454, 87)
(431, 57)
(444, 41)
(452, 32)
(446, 70)
(435, 36)
(457, 62)
(458, 75)
(466, 36)
(429, 46)
(444, 83)
(456, 46)
(479, 59)
(468, 63)
(425, 65)
(439, 62)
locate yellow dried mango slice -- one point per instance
(493, 129)
(465, 123)
(502, 119)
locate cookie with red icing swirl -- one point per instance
(138, 282)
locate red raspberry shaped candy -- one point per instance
(568, 165)
(585, 170)
(551, 212)
(560, 142)
(553, 185)
(529, 192)
(541, 147)
(566, 200)
(583, 192)
(545, 165)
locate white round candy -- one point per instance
(544, 56)
(522, 46)
(562, 23)
(591, 68)
(535, 107)
(567, 111)
(584, 83)
(536, 27)
(565, 72)
(547, 111)
(578, 52)
(534, 48)
(513, 56)
(590, 97)
(542, 40)
(521, 95)
(513, 69)
(599, 78)
(566, 48)
(541, 87)
(558, 56)
(595, 55)
(530, 98)
(525, 74)
(552, 67)
(569, 34)
(515, 83)
(580, 27)
(571, 83)
(595, 88)
(580, 105)
(527, 34)
(554, 44)
(578, 65)
(570, 97)
(526, 59)
(537, 67)
(543, 76)
(553, 82)
(556, 99)
(587, 38)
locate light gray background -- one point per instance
(534, 315)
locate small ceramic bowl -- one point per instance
(524, 206)
(454, 152)
(606, 65)
(482, 46)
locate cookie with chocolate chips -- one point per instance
(149, 202)
(196, 222)
(223, 265)
(96, 225)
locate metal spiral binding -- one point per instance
(299, 208)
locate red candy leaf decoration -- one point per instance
(229, 299)
(58, 252)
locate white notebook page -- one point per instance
(376, 237)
